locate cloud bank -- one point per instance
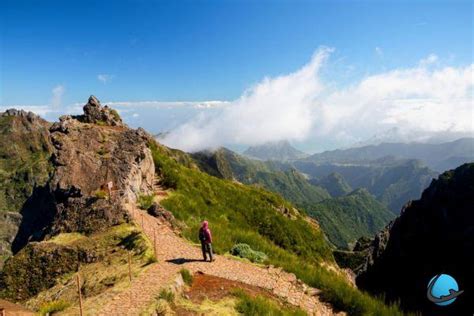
(423, 100)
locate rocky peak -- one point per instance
(95, 113)
(89, 152)
(29, 116)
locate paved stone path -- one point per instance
(175, 253)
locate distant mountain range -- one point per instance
(280, 151)
(392, 181)
(344, 218)
(438, 157)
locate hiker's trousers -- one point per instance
(206, 249)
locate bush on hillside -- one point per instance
(53, 307)
(244, 251)
(262, 306)
(145, 201)
(187, 276)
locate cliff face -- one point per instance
(25, 150)
(88, 152)
(432, 235)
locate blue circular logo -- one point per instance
(443, 290)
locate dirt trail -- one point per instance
(174, 253)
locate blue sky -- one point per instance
(212, 50)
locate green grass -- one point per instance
(101, 194)
(53, 307)
(166, 295)
(246, 214)
(187, 276)
(102, 258)
(262, 306)
(347, 218)
(145, 201)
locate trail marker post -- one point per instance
(78, 279)
(130, 267)
(154, 243)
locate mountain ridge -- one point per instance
(279, 151)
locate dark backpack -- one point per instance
(202, 235)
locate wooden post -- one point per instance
(130, 267)
(154, 244)
(78, 279)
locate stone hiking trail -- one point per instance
(174, 254)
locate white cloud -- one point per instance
(169, 104)
(274, 109)
(378, 51)
(56, 99)
(105, 78)
(135, 115)
(431, 59)
(422, 100)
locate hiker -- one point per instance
(206, 241)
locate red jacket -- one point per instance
(207, 232)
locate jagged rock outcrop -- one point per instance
(432, 235)
(95, 113)
(85, 158)
(84, 154)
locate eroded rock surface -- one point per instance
(432, 235)
(87, 153)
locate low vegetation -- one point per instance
(262, 306)
(245, 214)
(101, 259)
(145, 201)
(244, 251)
(101, 194)
(53, 307)
(187, 276)
(166, 295)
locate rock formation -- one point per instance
(95, 113)
(89, 152)
(432, 235)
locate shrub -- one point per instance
(53, 307)
(166, 295)
(145, 201)
(187, 276)
(244, 251)
(115, 114)
(101, 194)
(262, 306)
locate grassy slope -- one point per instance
(347, 218)
(103, 267)
(342, 219)
(334, 183)
(290, 184)
(239, 213)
